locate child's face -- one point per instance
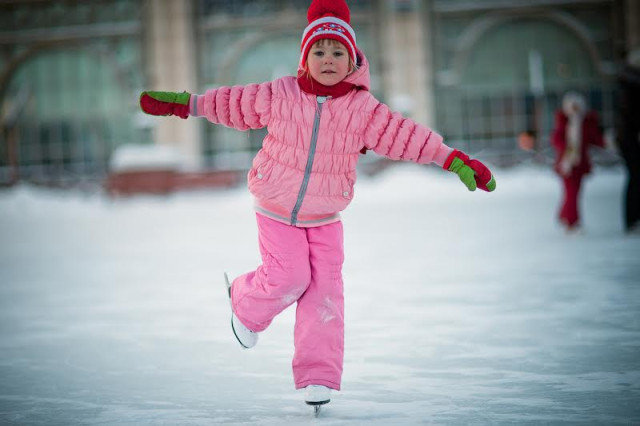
(328, 62)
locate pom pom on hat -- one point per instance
(321, 8)
(328, 19)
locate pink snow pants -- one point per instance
(301, 265)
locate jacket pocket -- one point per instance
(348, 186)
(259, 167)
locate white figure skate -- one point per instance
(246, 337)
(317, 396)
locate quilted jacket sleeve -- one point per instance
(239, 107)
(390, 134)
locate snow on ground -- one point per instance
(461, 308)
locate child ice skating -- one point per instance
(318, 123)
(575, 130)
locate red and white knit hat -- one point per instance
(328, 19)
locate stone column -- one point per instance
(408, 67)
(171, 66)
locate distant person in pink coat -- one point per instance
(576, 129)
(318, 123)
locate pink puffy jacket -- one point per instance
(304, 175)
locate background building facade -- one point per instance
(479, 72)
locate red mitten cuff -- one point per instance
(455, 154)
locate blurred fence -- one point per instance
(490, 124)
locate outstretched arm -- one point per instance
(393, 136)
(239, 107)
(399, 138)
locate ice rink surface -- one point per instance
(461, 308)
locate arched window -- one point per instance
(507, 75)
(564, 59)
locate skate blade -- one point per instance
(236, 334)
(316, 410)
(228, 284)
(317, 403)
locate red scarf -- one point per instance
(310, 85)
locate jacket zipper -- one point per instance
(312, 152)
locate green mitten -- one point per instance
(472, 173)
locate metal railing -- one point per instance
(490, 124)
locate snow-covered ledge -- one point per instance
(136, 157)
(159, 169)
